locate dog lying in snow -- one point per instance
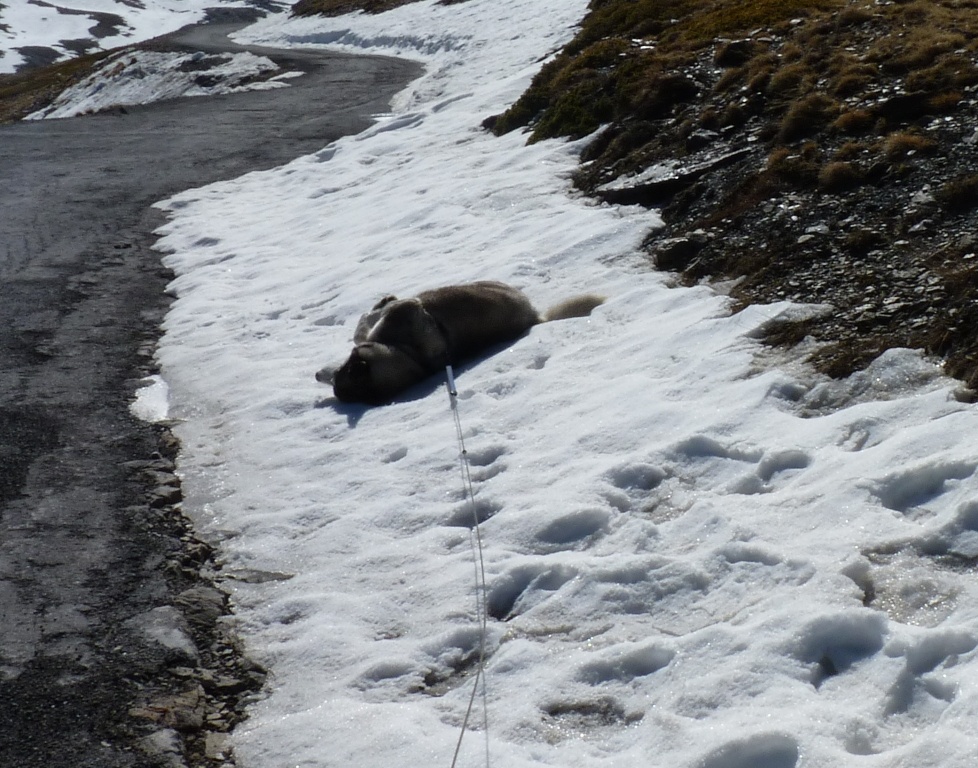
(403, 341)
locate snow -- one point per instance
(103, 24)
(152, 400)
(680, 530)
(140, 77)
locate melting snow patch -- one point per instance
(152, 400)
(139, 77)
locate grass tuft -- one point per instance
(900, 145)
(959, 195)
(807, 116)
(840, 176)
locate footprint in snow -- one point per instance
(625, 665)
(833, 644)
(574, 528)
(471, 513)
(581, 716)
(770, 750)
(909, 492)
(395, 455)
(736, 469)
(915, 689)
(526, 586)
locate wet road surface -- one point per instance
(89, 546)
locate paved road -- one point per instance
(82, 551)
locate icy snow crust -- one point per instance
(679, 540)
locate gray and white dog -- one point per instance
(400, 342)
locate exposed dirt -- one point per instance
(339, 7)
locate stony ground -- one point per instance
(191, 694)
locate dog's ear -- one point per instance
(384, 302)
(352, 382)
(358, 363)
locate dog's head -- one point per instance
(373, 374)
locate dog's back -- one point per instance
(478, 315)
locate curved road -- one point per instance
(89, 546)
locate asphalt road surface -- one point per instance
(87, 550)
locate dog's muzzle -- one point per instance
(326, 375)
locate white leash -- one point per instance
(481, 594)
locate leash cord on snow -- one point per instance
(482, 607)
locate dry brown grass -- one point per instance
(807, 116)
(841, 97)
(901, 144)
(800, 167)
(852, 150)
(918, 48)
(840, 176)
(855, 121)
(26, 92)
(950, 72)
(853, 79)
(791, 81)
(959, 195)
(706, 21)
(855, 16)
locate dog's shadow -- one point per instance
(355, 411)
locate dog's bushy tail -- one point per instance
(578, 306)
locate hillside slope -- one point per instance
(822, 152)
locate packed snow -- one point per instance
(62, 29)
(697, 552)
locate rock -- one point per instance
(659, 185)
(675, 253)
(223, 685)
(217, 746)
(255, 576)
(179, 712)
(734, 53)
(202, 606)
(157, 476)
(165, 632)
(165, 748)
(905, 106)
(165, 496)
